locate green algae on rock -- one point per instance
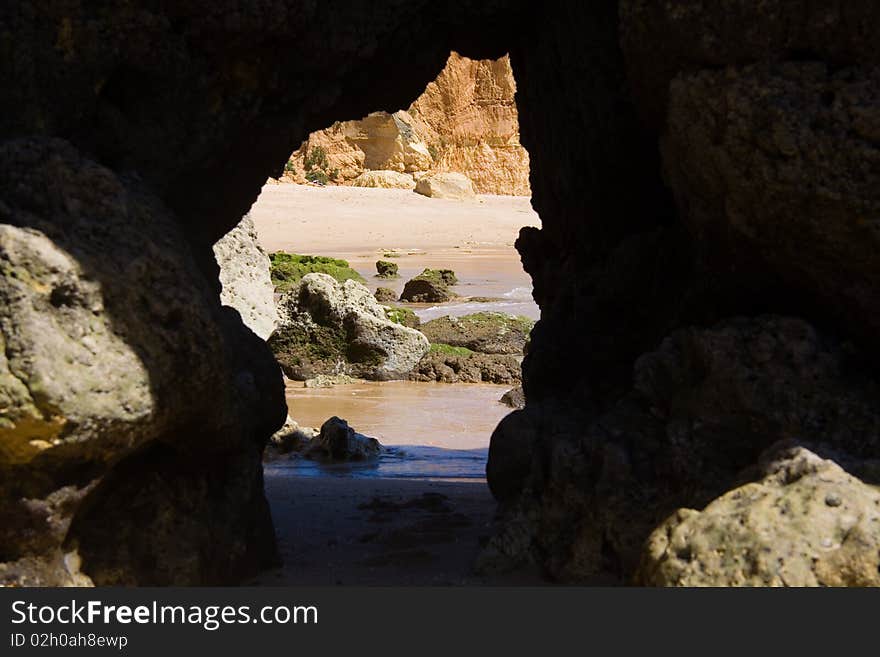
(288, 269)
(431, 286)
(485, 332)
(328, 327)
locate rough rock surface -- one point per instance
(115, 349)
(791, 123)
(328, 327)
(703, 408)
(465, 121)
(515, 398)
(488, 332)
(385, 294)
(380, 148)
(455, 186)
(163, 94)
(244, 275)
(468, 118)
(386, 269)
(384, 180)
(805, 523)
(289, 438)
(431, 286)
(339, 442)
(467, 368)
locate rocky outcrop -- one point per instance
(638, 116)
(703, 408)
(328, 327)
(446, 185)
(385, 295)
(245, 279)
(431, 286)
(464, 122)
(384, 180)
(289, 438)
(386, 269)
(488, 332)
(515, 398)
(119, 372)
(380, 143)
(447, 364)
(339, 442)
(468, 117)
(805, 522)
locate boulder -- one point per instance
(455, 186)
(515, 398)
(805, 522)
(486, 332)
(290, 438)
(121, 377)
(245, 278)
(328, 327)
(386, 269)
(448, 364)
(384, 180)
(431, 286)
(339, 442)
(328, 381)
(703, 407)
(385, 294)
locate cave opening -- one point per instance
(398, 309)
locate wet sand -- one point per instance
(374, 532)
(459, 416)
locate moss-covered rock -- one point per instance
(329, 327)
(403, 316)
(288, 269)
(485, 332)
(449, 364)
(431, 286)
(448, 350)
(385, 294)
(386, 269)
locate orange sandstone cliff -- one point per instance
(465, 121)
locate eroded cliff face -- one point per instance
(465, 122)
(707, 180)
(746, 128)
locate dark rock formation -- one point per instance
(458, 365)
(113, 350)
(385, 295)
(702, 409)
(515, 398)
(386, 269)
(339, 442)
(691, 162)
(487, 333)
(431, 286)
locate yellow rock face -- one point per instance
(464, 122)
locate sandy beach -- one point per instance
(419, 514)
(340, 220)
(374, 532)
